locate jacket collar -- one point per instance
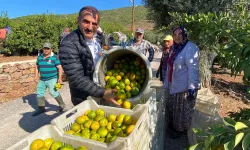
(82, 39)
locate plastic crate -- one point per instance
(49, 131)
(140, 113)
(143, 140)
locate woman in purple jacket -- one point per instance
(182, 82)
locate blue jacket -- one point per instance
(185, 70)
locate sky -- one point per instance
(18, 8)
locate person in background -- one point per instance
(142, 45)
(64, 34)
(3, 33)
(79, 53)
(101, 35)
(49, 69)
(162, 70)
(112, 41)
(182, 82)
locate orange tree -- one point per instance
(227, 33)
(4, 20)
(30, 32)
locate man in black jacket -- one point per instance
(79, 53)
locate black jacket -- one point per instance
(77, 62)
(159, 71)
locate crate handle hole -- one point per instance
(71, 113)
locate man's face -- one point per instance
(139, 36)
(47, 51)
(88, 25)
(167, 43)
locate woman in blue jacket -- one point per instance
(182, 82)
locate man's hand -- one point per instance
(59, 81)
(109, 95)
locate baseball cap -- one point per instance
(47, 45)
(168, 38)
(139, 30)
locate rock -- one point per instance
(1, 70)
(32, 65)
(29, 79)
(16, 86)
(6, 89)
(2, 87)
(6, 66)
(12, 69)
(16, 75)
(32, 70)
(26, 65)
(20, 67)
(24, 77)
(2, 94)
(4, 78)
(26, 72)
(6, 70)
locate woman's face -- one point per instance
(178, 38)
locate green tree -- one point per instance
(226, 33)
(160, 9)
(4, 20)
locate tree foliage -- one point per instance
(4, 20)
(30, 32)
(227, 33)
(160, 9)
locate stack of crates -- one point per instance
(138, 139)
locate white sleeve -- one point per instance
(192, 62)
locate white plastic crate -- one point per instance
(156, 119)
(143, 140)
(49, 131)
(64, 121)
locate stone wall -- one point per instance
(14, 77)
(17, 77)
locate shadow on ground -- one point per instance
(30, 123)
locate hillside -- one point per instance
(121, 16)
(32, 30)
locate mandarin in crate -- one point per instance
(36, 144)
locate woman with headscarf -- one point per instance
(182, 82)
